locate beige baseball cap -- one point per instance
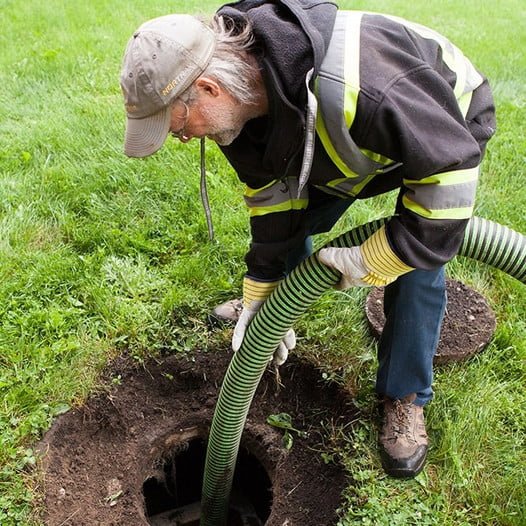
(162, 59)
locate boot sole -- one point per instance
(397, 469)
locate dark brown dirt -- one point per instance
(469, 322)
(97, 458)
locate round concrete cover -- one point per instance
(469, 322)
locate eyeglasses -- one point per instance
(179, 134)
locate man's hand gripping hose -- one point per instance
(254, 294)
(373, 263)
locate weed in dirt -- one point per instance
(284, 421)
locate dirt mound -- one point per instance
(120, 458)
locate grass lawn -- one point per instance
(100, 254)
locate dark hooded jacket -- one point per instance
(424, 136)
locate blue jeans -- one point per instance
(414, 307)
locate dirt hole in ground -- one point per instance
(172, 495)
(134, 453)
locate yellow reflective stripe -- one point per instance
(257, 290)
(329, 148)
(251, 192)
(351, 101)
(335, 182)
(376, 157)
(351, 73)
(277, 196)
(345, 184)
(452, 192)
(351, 66)
(352, 89)
(290, 204)
(328, 190)
(335, 158)
(448, 213)
(447, 178)
(383, 264)
(357, 188)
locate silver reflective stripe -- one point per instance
(332, 191)
(351, 186)
(468, 78)
(310, 130)
(276, 194)
(341, 66)
(442, 197)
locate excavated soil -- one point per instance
(469, 322)
(97, 460)
(115, 460)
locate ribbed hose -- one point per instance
(484, 240)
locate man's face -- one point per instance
(220, 118)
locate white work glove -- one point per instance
(281, 353)
(372, 263)
(252, 289)
(348, 261)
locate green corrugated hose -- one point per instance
(484, 241)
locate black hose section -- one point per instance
(495, 245)
(484, 241)
(293, 297)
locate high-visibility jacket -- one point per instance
(380, 104)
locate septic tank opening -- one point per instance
(172, 495)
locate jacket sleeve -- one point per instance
(275, 221)
(420, 123)
(275, 211)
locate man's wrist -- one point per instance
(383, 265)
(255, 292)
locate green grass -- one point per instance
(100, 254)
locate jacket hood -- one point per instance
(294, 36)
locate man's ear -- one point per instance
(208, 86)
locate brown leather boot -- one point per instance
(403, 438)
(227, 313)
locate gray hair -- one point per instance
(230, 65)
